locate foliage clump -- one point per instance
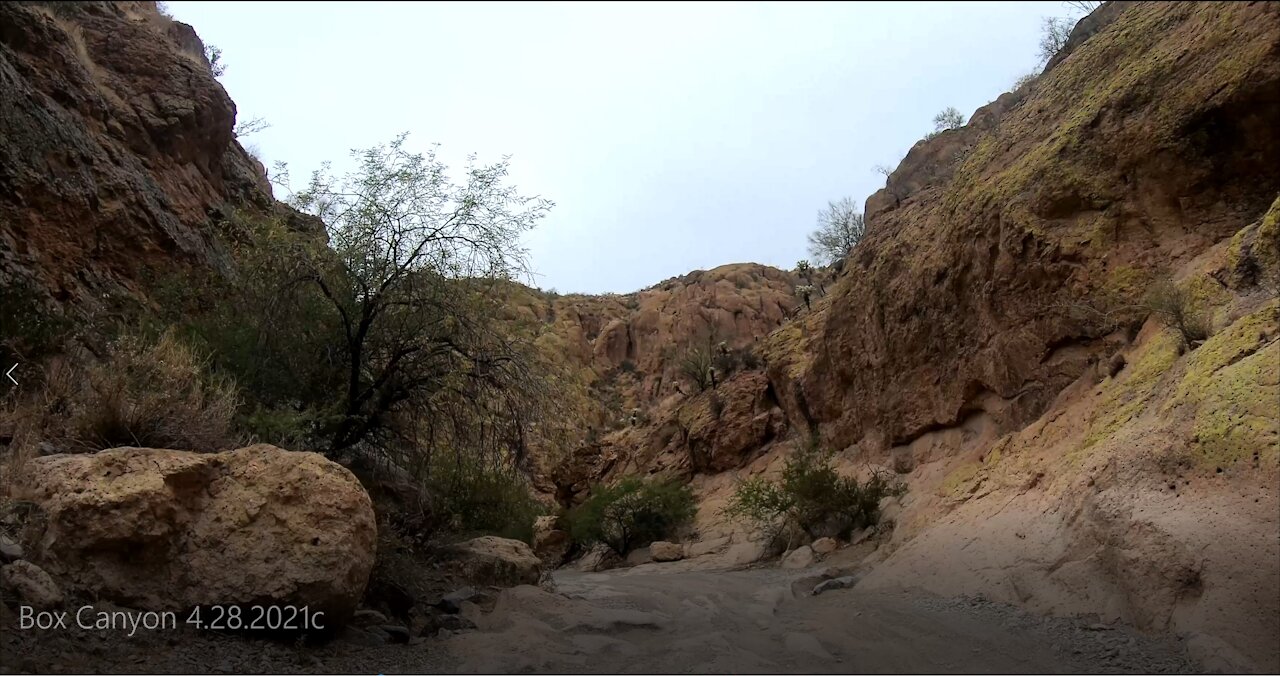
(145, 393)
(632, 513)
(948, 119)
(813, 498)
(840, 228)
(1177, 307)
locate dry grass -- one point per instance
(154, 396)
(143, 394)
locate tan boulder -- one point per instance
(825, 545)
(743, 553)
(666, 551)
(163, 529)
(800, 557)
(31, 585)
(704, 547)
(491, 560)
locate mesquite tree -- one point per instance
(413, 270)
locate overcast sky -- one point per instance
(672, 137)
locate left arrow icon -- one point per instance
(9, 374)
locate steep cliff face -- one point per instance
(117, 151)
(1156, 138)
(1060, 456)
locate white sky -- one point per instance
(672, 136)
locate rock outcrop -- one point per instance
(550, 542)
(118, 156)
(627, 402)
(1155, 139)
(1061, 453)
(168, 530)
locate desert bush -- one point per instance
(1054, 32)
(142, 393)
(153, 395)
(812, 497)
(805, 292)
(250, 126)
(696, 365)
(482, 496)
(631, 513)
(840, 228)
(949, 118)
(29, 328)
(213, 54)
(1177, 308)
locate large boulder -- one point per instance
(492, 560)
(162, 530)
(825, 545)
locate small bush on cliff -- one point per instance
(29, 329)
(948, 119)
(1177, 308)
(811, 497)
(1054, 32)
(631, 513)
(696, 365)
(840, 228)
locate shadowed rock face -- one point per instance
(117, 153)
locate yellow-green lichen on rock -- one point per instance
(961, 481)
(1125, 397)
(1233, 380)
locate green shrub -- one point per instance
(29, 329)
(696, 365)
(475, 496)
(632, 513)
(812, 497)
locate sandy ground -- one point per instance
(645, 620)
(662, 618)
